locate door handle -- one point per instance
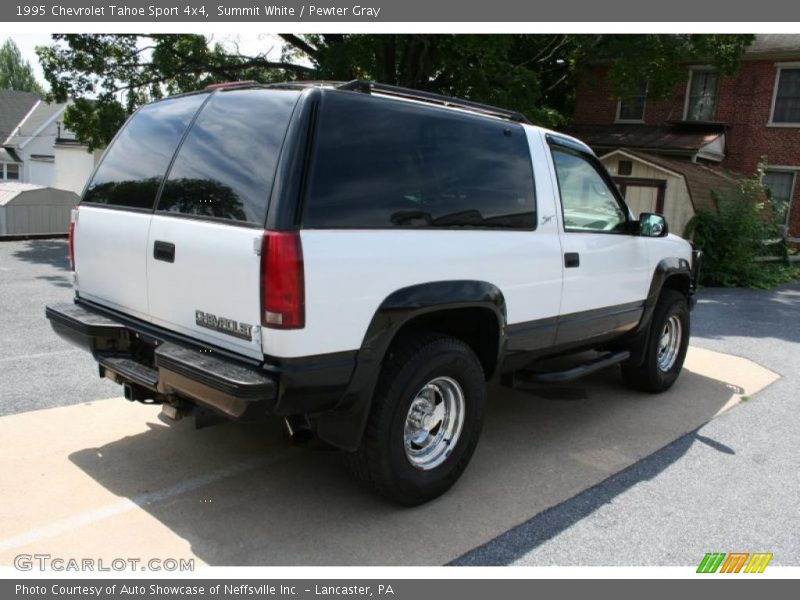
(572, 260)
(164, 251)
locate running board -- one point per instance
(601, 362)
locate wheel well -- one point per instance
(679, 282)
(477, 327)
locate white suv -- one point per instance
(361, 259)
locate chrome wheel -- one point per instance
(669, 343)
(433, 423)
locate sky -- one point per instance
(247, 43)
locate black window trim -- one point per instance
(313, 142)
(572, 147)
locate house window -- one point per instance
(625, 167)
(701, 98)
(786, 108)
(780, 185)
(631, 108)
(9, 171)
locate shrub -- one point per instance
(736, 235)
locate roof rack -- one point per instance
(368, 87)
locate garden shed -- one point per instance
(27, 209)
(674, 187)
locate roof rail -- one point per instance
(231, 84)
(367, 87)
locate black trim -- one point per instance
(311, 384)
(554, 139)
(118, 348)
(225, 376)
(571, 147)
(666, 268)
(587, 325)
(164, 251)
(288, 187)
(305, 385)
(344, 426)
(570, 374)
(154, 332)
(530, 341)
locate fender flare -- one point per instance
(666, 268)
(344, 425)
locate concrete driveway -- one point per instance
(97, 476)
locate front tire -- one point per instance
(425, 420)
(666, 345)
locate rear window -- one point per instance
(226, 165)
(135, 163)
(382, 163)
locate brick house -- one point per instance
(723, 123)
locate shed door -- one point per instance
(643, 195)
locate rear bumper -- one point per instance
(158, 368)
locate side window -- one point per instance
(382, 163)
(226, 165)
(587, 202)
(134, 165)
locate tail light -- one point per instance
(73, 220)
(282, 281)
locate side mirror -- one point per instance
(652, 225)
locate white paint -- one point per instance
(349, 273)
(110, 252)
(216, 270)
(74, 165)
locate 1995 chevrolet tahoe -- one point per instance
(360, 259)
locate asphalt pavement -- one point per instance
(585, 474)
(733, 485)
(37, 368)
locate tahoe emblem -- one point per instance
(224, 325)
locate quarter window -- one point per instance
(587, 201)
(787, 97)
(701, 103)
(382, 163)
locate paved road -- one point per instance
(565, 475)
(38, 369)
(731, 486)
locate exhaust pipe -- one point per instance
(299, 428)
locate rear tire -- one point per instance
(425, 419)
(666, 345)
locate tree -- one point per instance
(110, 75)
(15, 72)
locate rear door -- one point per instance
(203, 251)
(114, 218)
